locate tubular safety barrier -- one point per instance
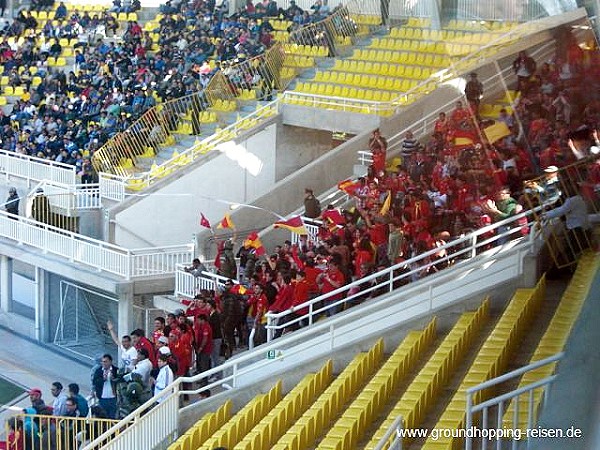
(236, 371)
(475, 410)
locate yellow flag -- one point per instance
(496, 132)
(463, 141)
(386, 204)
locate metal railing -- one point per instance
(319, 339)
(395, 430)
(188, 285)
(93, 253)
(398, 275)
(35, 169)
(112, 187)
(70, 198)
(496, 405)
(56, 432)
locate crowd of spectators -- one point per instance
(120, 69)
(455, 182)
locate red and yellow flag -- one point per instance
(349, 186)
(295, 225)
(253, 241)
(226, 222)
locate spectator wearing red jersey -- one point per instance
(139, 340)
(378, 148)
(203, 345)
(329, 281)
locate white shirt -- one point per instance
(107, 389)
(128, 357)
(59, 405)
(164, 378)
(143, 368)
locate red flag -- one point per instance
(226, 222)
(295, 225)
(220, 246)
(204, 221)
(253, 241)
(334, 216)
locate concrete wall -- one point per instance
(170, 214)
(298, 146)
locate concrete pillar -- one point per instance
(5, 283)
(125, 320)
(41, 305)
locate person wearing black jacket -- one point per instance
(214, 320)
(105, 386)
(12, 202)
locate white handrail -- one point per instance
(91, 252)
(35, 169)
(394, 274)
(499, 400)
(396, 444)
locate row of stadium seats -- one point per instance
(398, 57)
(398, 81)
(467, 37)
(358, 416)
(491, 360)
(392, 68)
(422, 46)
(275, 424)
(375, 95)
(306, 50)
(420, 395)
(554, 339)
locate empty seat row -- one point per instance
(441, 48)
(303, 433)
(491, 360)
(421, 394)
(274, 425)
(439, 35)
(388, 82)
(357, 417)
(234, 430)
(355, 93)
(203, 429)
(401, 57)
(409, 59)
(555, 338)
(306, 50)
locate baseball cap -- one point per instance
(164, 351)
(35, 391)
(163, 340)
(551, 169)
